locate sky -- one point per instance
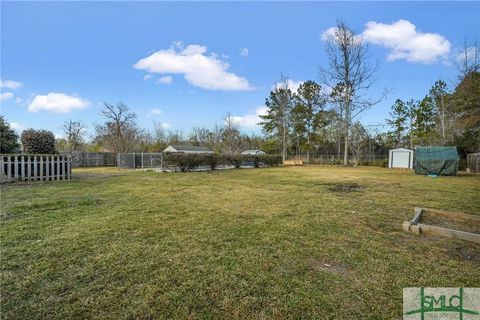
(187, 64)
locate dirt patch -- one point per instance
(469, 253)
(325, 266)
(345, 187)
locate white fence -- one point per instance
(27, 167)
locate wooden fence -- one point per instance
(27, 167)
(473, 162)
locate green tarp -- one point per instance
(436, 161)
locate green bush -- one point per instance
(184, 162)
(38, 141)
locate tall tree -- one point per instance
(439, 94)
(277, 119)
(398, 121)
(424, 121)
(349, 72)
(8, 138)
(231, 140)
(119, 132)
(308, 112)
(74, 133)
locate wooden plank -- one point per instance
(417, 216)
(35, 171)
(2, 169)
(64, 168)
(52, 168)
(22, 168)
(450, 233)
(69, 167)
(58, 168)
(15, 163)
(9, 168)
(29, 168)
(453, 215)
(47, 168)
(42, 176)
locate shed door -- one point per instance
(400, 159)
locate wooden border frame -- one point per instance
(418, 228)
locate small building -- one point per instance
(436, 161)
(187, 149)
(254, 152)
(400, 158)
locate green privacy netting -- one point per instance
(436, 161)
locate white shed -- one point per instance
(400, 158)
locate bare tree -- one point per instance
(357, 140)
(119, 132)
(468, 60)
(348, 75)
(231, 139)
(74, 133)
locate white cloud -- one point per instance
(165, 80)
(406, 42)
(155, 112)
(18, 100)
(198, 68)
(244, 52)
(5, 95)
(17, 126)
(148, 76)
(329, 33)
(165, 125)
(57, 103)
(250, 120)
(291, 84)
(10, 84)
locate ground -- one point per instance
(278, 243)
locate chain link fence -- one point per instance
(139, 160)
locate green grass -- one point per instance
(238, 244)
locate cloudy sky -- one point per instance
(188, 64)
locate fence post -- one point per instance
(69, 167)
(142, 160)
(1, 171)
(15, 169)
(9, 168)
(134, 164)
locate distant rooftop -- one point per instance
(189, 148)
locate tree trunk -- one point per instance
(345, 155)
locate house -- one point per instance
(400, 158)
(187, 149)
(254, 152)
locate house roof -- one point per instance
(189, 148)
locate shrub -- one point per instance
(189, 161)
(8, 138)
(38, 141)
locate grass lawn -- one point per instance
(297, 242)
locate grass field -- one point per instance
(278, 243)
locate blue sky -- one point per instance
(188, 64)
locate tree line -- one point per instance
(318, 118)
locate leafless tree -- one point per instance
(468, 60)
(74, 134)
(349, 76)
(231, 139)
(119, 132)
